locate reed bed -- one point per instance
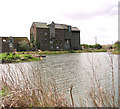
(23, 86)
(30, 89)
(103, 96)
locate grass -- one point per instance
(29, 56)
(73, 51)
(67, 51)
(88, 50)
(14, 58)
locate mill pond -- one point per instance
(81, 70)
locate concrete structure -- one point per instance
(55, 36)
(9, 44)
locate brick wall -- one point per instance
(59, 39)
(43, 38)
(33, 32)
(75, 42)
(55, 39)
(5, 47)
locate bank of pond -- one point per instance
(15, 57)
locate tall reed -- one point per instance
(27, 87)
(102, 96)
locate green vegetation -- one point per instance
(116, 52)
(30, 55)
(23, 46)
(68, 51)
(86, 46)
(87, 50)
(116, 47)
(12, 57)
(37, 44)
(73, 51)
(53, 52)
(32, 39)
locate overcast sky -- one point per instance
(94, 18)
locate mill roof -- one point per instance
(40, 24)
(75, 29)
(57, 26)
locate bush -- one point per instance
(97, 46)
(37, 43)
(117, 45)
(23, 46)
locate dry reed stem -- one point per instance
(23, 91)
(71, 87)
(98, 95)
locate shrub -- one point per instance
(37, 43)
(117, 45)
(97, 46)
(23, 46)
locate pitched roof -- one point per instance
(57, 26)
(16, 39)
(40, 24)
(64, 26)
(75, 29)
(61, 26)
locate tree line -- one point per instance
(86, 46)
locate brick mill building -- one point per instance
(55, 36)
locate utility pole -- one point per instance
(112, 42)
(95, 40)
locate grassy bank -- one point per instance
(14, 58)
(72, 51)
(67, 51)
(88, 50)
(30, 55)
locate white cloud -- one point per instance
(92, 17)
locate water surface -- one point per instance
(79, 70)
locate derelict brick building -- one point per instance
(9, 44)
(55, 36)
